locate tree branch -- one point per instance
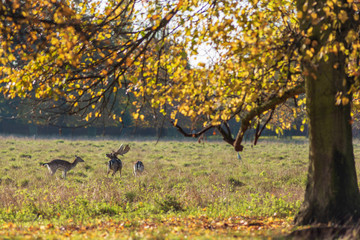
(259, 131)
(194, 135)
(270, 104)
(226, 134)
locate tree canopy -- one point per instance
(79, 57)
(83, 57)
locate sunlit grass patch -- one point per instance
(181, 179)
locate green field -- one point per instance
(189, 190)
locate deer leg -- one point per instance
(64, 174)
(51, 171)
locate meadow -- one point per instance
(188, 190)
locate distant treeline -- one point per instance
(14, 127)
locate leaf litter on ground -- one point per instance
(190, 226)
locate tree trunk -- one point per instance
(332, 193)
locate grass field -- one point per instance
(189, 190)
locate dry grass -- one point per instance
(200, 177)
(205, 184)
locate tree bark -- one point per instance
(332, 193)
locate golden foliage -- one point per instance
(82, 53)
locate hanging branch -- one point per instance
(258, 132)
(194, 135)
(227, 137)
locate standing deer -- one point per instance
(202, 138)
(62, 165)
(138, 167)
(115, 163)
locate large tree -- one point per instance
(264, 55)
(332, 191)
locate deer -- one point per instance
(202, 138)
(66, 166)
(138, 167)
(115, 163)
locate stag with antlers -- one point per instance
(115, 163)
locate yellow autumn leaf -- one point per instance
(314, 15)
(180, 3)
(351, 36)
(300, 15)
(342, 16)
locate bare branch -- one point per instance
(227, 137)
(258, 132)
(195, 134)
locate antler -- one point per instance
(122, 150)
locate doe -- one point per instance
(138, 167)
(66, 166)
